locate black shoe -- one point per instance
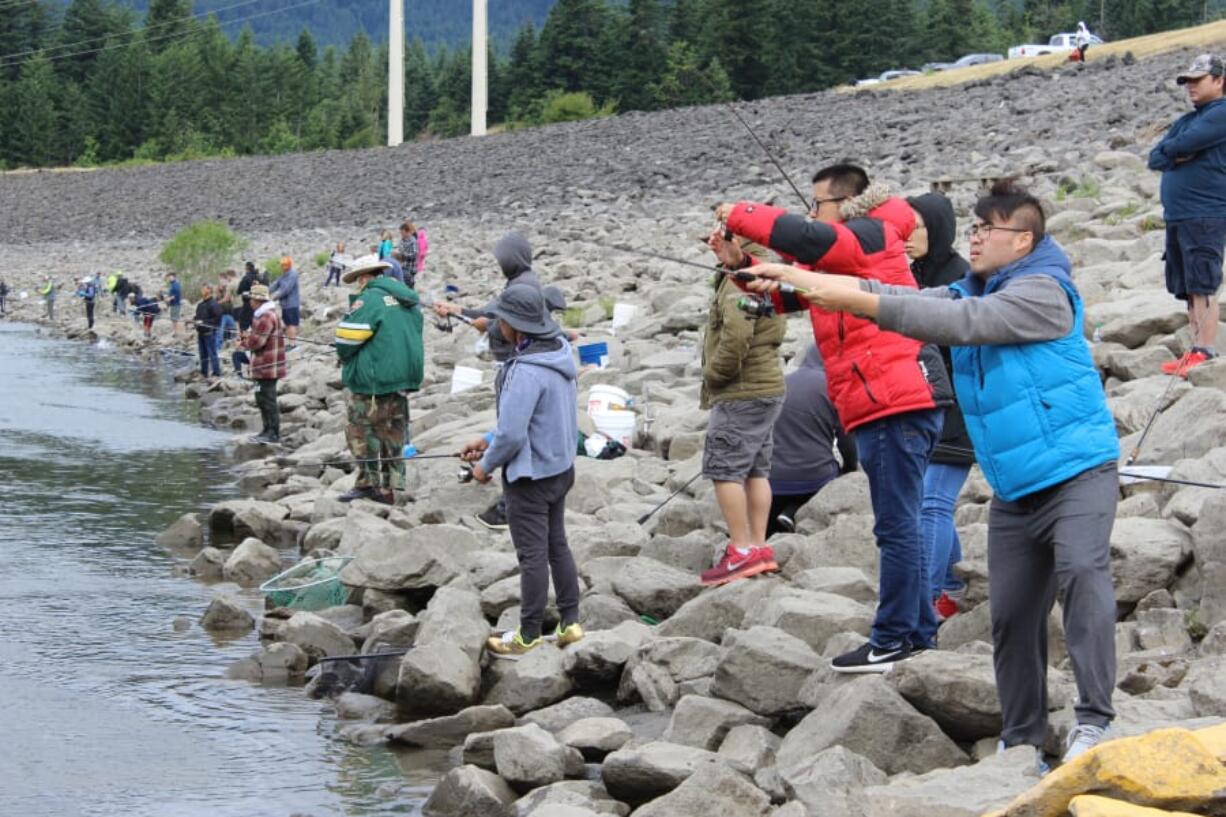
(785, 523)
(494, 518)
(870, 659)
(384, 497)
(357, 493)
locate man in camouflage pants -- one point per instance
(380, 346)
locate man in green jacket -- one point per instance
(380, 346)
(742, 385)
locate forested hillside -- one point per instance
(97, 82)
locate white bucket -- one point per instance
(616, 425)
(464, 378)
(607, 398)
(623, 314)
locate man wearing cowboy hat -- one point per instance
(381, 351)
(1192, 158)
(266, 341)
(534, 445)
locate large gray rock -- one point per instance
(749, 748)
(842, 581)
(556, 717)
(209, 564)
(437, 679)
(969, 791)
(715, 610)
(655, 673)
(528, 757)
(470, 792)
(596, 737)
(1209, 546)
(278, 663)
(1145, 555)
(957, 691)
(764, 669)
(184, 532)
(429, 556)
(597, 661)
(831, 783)
(570, 794)
(451, 730)
(653, 588)
(711, 790)
(251, 563)
(534, 681)
(705, 722)
(641, 773)
(390, 629)
(453, 616)
(871, 719)
(362, 529)
(226, 614)
(1206, 686)
(811, 616)
(1135, 319)
(316, 636)
(242, 518)
(1193, 426)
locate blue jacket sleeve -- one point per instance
(1201, 131)
(516, 405)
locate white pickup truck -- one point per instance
(1058, 44)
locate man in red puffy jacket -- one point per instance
(890, 391)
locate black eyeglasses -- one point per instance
(816, 203)
(986, 230)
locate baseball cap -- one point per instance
(1210, 64)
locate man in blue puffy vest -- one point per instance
(1037, 417)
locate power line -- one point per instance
(146, 40)
(129, 32)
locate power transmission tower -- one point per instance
(480, 91)
(395, 72)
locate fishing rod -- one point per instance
(1158, 409)
(804, 202)
(366, 656)
(1193, 483)
(652, 512)
(409, 455)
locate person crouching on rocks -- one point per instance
(1037, 415)
(267, 343)
(742, 385)
(380, 347)
(534, 445)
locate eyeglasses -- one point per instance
(816, 203)
(985, 230)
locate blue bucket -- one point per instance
(594, 354)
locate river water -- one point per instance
(107, 708)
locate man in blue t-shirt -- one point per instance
(174, 299)
(1192, 158)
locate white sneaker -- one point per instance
(1082, 738)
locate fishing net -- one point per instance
(313, 584)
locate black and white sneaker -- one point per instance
(870, 659)
(494, 517)
(785, 523)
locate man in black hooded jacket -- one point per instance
(935, 263)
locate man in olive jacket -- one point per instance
(380, 346)
(742, 385)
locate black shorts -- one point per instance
(1194, 256)
(290, 315)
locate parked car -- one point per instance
(964, 62)
(863, 83)
(886, 76)
(1058, 44)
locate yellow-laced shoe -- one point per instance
(568, 635)
(510, 645)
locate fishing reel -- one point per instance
(755, 307)
(465, 474)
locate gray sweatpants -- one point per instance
(536, 514)
(1055, 540)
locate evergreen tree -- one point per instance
(420, 94)
(87, 27)
(643, 56)
(166, 22)
(572, 45)
(308, 53)
(741, 42)
(523, 72)
(686, 81)
(31, 114)
(947, 29)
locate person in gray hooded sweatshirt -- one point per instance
(514, 255)
(534, 445)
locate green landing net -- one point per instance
(313, 584)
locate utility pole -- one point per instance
(395, 72)
(480, 92)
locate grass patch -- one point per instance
(1123, 214)
(1086, 188)
(1151, 223)
(606, 303)
(572, 317)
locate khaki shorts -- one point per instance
(740, 439)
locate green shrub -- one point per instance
(200, 252)
(273, 268)
(572, 107)
(1086, 188)
(321, 258)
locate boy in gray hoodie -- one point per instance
(534, 443)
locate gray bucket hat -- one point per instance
(523, 309)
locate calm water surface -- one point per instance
(104, 708)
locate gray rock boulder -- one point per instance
(715, 610)
(430, 556)
(209, 564)
(1145, 554)
(871, 719)
(831, 783)
(278, 663)
(653, 588)
(528, 757)
(437, 679)
(451, 730)
(454, 617)
(749, 748)
(316, 636)
(242, 518)
(957, 691)
(556, 717)
(1193, 426)
(596, 737)
(764, 669)
(354, 706)
(712, 789)
(654, 674)
(226, 614)
(534, 681)
(969, 791)
(251, 563)
(598, 660)
(361, 529)
(570, 794)
(705, 722)
(184, 532)
(811, 616)
(389, 630)
(641, 773)
(842, 581)
(470, 792)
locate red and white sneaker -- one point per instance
(945, 606)
(737, 565)
(1191, 359)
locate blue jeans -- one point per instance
(208, 355)
(894, 454)
(226, 325)
(942, 483)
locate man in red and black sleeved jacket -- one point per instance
(890, 391)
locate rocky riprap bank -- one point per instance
(727, 706)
